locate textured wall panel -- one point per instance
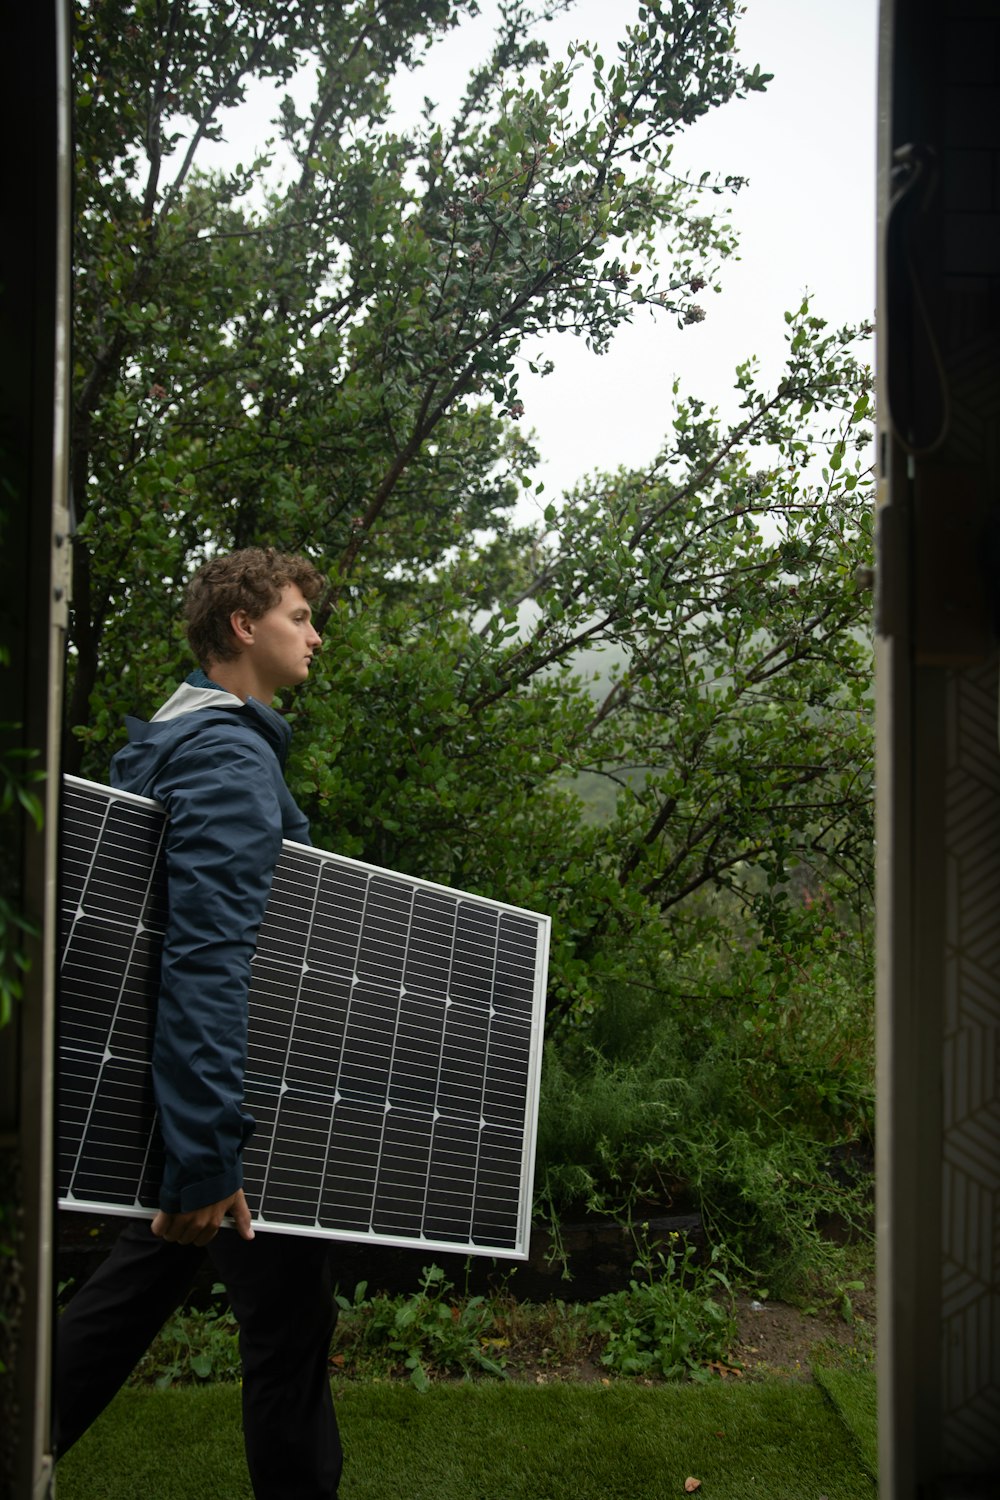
(970, 1096)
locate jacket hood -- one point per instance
(197, 704)
(196, 692)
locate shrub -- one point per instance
(671, 1322)
(427, 1333)
(739, 1085)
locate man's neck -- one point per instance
(239, 678)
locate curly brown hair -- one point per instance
(251, 579)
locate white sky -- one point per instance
(806, 220)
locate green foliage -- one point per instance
(334, 369)
(194, 1346)
(673, 1322)
(670, 1323)
(429, 1333)
(337, 368)
(18, 800)
(16, 781)
(719, 1090)
(14, 962)
(840, 1301)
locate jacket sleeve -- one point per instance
(223, 839)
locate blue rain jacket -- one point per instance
(215, 764)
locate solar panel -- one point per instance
(394, 1043)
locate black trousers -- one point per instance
(280, 1290)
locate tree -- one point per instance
(322, 370)
(336, 371)
(733, 719)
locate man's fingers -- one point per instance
(196, 1231)
(185, 1229)
(241, 1217)
(201, 1225)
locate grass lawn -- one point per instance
(762, 1441)
(854, 1399)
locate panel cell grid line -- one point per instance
(393, 1052)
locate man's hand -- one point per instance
(202, 1224)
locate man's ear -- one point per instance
(241, 625)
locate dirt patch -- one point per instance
(776, 1339)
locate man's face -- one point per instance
(284, 642)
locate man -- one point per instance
(213, 757)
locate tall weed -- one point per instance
(424, 1334)
(672, 1320)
